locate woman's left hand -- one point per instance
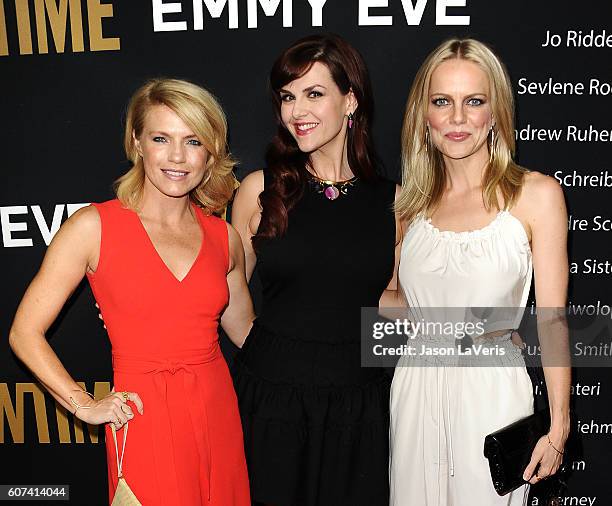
(545, 459)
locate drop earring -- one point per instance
(492, 147)
(350, 120)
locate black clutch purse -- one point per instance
(509, 450)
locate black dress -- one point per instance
(316, 424)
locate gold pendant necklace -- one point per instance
(332, 189)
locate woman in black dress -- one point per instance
(318, 222)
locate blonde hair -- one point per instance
(423, 169)
(201, 112)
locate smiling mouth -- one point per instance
(457, 136)
(175, 174)
(305, 128)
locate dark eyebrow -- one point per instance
(305, 90)
(310, 88)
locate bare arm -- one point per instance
(547, 219)
(238, 317)
(246, 214)
(393, 296)
(73, 251)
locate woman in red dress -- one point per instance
(165, 273)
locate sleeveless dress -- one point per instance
(440, 415)
(315, 423)
(186, 449)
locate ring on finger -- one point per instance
(121, 408)
(126, 396)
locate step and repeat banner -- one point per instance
(68, 67)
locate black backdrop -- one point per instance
(64, 84)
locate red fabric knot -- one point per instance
(131, 364)
(171, 367)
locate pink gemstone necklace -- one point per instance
(332, 189)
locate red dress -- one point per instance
(187, 448)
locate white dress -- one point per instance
(441, 414)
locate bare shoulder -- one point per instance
(77, 242)
(84, 224)
(541, 205)
(252, 184)
(540, 191)
(236, 250)
(246, 209)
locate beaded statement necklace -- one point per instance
(331, 189)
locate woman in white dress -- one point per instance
(476, 226)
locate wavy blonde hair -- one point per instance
(423, 169)
(201, 112)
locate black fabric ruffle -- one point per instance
(316, 425)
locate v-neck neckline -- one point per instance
(165, 267)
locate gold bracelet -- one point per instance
(76, 404)
(552, 446)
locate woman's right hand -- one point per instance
(111, 409)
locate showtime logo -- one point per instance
(58, 16)
(15, 221)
